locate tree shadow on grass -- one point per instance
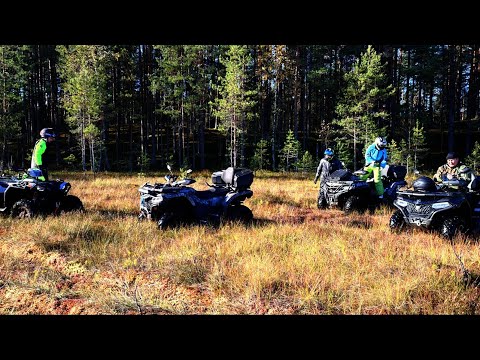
(274, 199)
(361, 224)
(115, 214)
(258, 222)
(471, 279)
(78, 237)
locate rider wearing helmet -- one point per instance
(327, 165)
(47, 135)
(375, 159)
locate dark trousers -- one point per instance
(322, 199)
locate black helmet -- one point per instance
(424, 183)
(47, 132)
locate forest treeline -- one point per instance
(277, 107)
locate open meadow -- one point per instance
(293, 259)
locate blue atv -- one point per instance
(24, 196)
(346, 190)
(175, 202)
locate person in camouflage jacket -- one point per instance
(454, 168)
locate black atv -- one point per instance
(174, 202)
(450, 207)
(24, 196)
(347, 191)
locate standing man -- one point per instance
(47, 136)
(375, 159)
(326, 166)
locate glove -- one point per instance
(315, 180)
(383, 164)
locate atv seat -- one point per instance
(360, 172)
(238, 178)
(214, 192)
(340, 175)
(397, 172)
(227, 175)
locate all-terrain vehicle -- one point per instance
(449, 207)
(25, 196)
(174, 202)
(347, 191)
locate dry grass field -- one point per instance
(293, 259)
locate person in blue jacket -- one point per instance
(375, 159)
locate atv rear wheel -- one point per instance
(452, 226)
(239, 213)
(23, 209)
(397, 222)
(71, 203)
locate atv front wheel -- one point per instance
(352, 204)
(452, 226)
(165, 221)
(143, 215)
(322, 204)
(23, 209)
(397, 222)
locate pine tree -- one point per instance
(359, 114)
(289, 152)
(473, 160)
(234, 106)
(419, 148)
(395, 153)
(260, 159)
(11, 82)
(344, 154)
(84, 97)
(306, 163)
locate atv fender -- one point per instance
(234, 197)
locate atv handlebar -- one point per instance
(453, 182)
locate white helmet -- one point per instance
(47, 132)
(380, 142)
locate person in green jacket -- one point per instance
(47, 135)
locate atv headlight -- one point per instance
(441, 205)
(353, 186)
(401, 202)
(157, 199)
